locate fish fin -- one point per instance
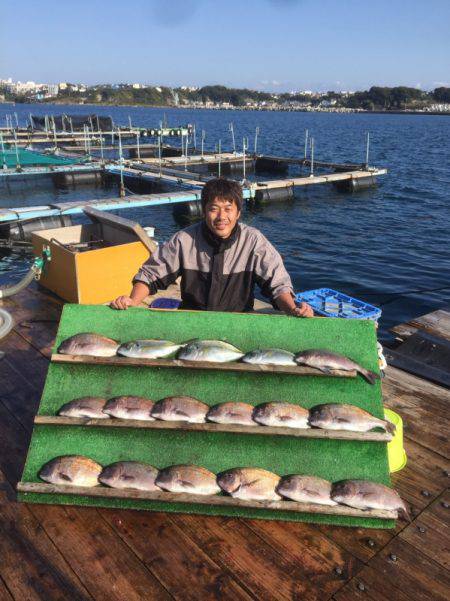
(186, 484)
(325, 370)
(183, 413)
(126, 478)
(285, 418)
(389, 427)
(370, 376)
(65, 477)
(403, 512)
(342, 420)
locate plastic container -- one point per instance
(396, 453)
(331, 303)
(165, 303)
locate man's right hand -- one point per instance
(123, 302)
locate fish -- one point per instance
(327, 361)
(71, 470)
(216, 351)
(87, 343)
(306, 489)
(363, 494)
(277, 413)
(249, 483)
(191, 479)
(231, 413)
(270, 356)
(129, 474)
(86, 407)
(337, 416)
(180, 408)
(148, 349)
(130, 407)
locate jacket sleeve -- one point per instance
(163, 267)
(270, 273)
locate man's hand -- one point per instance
(123, 302)
(304, 310)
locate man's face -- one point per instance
(221, 216)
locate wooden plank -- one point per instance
(30, 565)
(178, 562)
(325, 565)
(58, 420)
(436, 323)
(411, 571)
(423, 479)
(103, 562)
(318, 179)
(418, 368)
(371, 586)
(4, 593)
(233, 366)
(430, 532)
(267, 572)
(114, 493)
(423, 407)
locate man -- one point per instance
(219, 261)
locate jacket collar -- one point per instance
(219, 244)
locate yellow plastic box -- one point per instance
(95, 275)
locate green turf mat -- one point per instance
(332, 459)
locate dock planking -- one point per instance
(86, 553)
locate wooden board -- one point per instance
(436, 323)
(407, 363)
(100, 491)
(213, 427)
(232, 366)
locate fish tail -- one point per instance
(370, 376)
(389, 427)
(403, 512)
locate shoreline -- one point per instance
(233, 108)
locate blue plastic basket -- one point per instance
(331, 303)
(165, 303)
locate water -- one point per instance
(368, 244)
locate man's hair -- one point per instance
(226, 189)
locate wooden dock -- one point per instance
(56, 552)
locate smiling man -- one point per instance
(219, 261)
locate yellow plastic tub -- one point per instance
(396, 453)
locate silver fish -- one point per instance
(231, 413)
(277, 413)
(306, 489)
(216, 351)
(270, 356)
(129, 474)
(130, 407)
(336, 416)
(86, 407)
(249, 483)
(71, 470)
(87, 343)
(363, 494)
(328, 361)
(148, 349)
(180, 408)
(191, 479)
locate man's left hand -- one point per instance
(303, 310)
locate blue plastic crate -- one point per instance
(331, 303)
(165, 303)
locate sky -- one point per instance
(274, 45)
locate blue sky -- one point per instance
(277, 45)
